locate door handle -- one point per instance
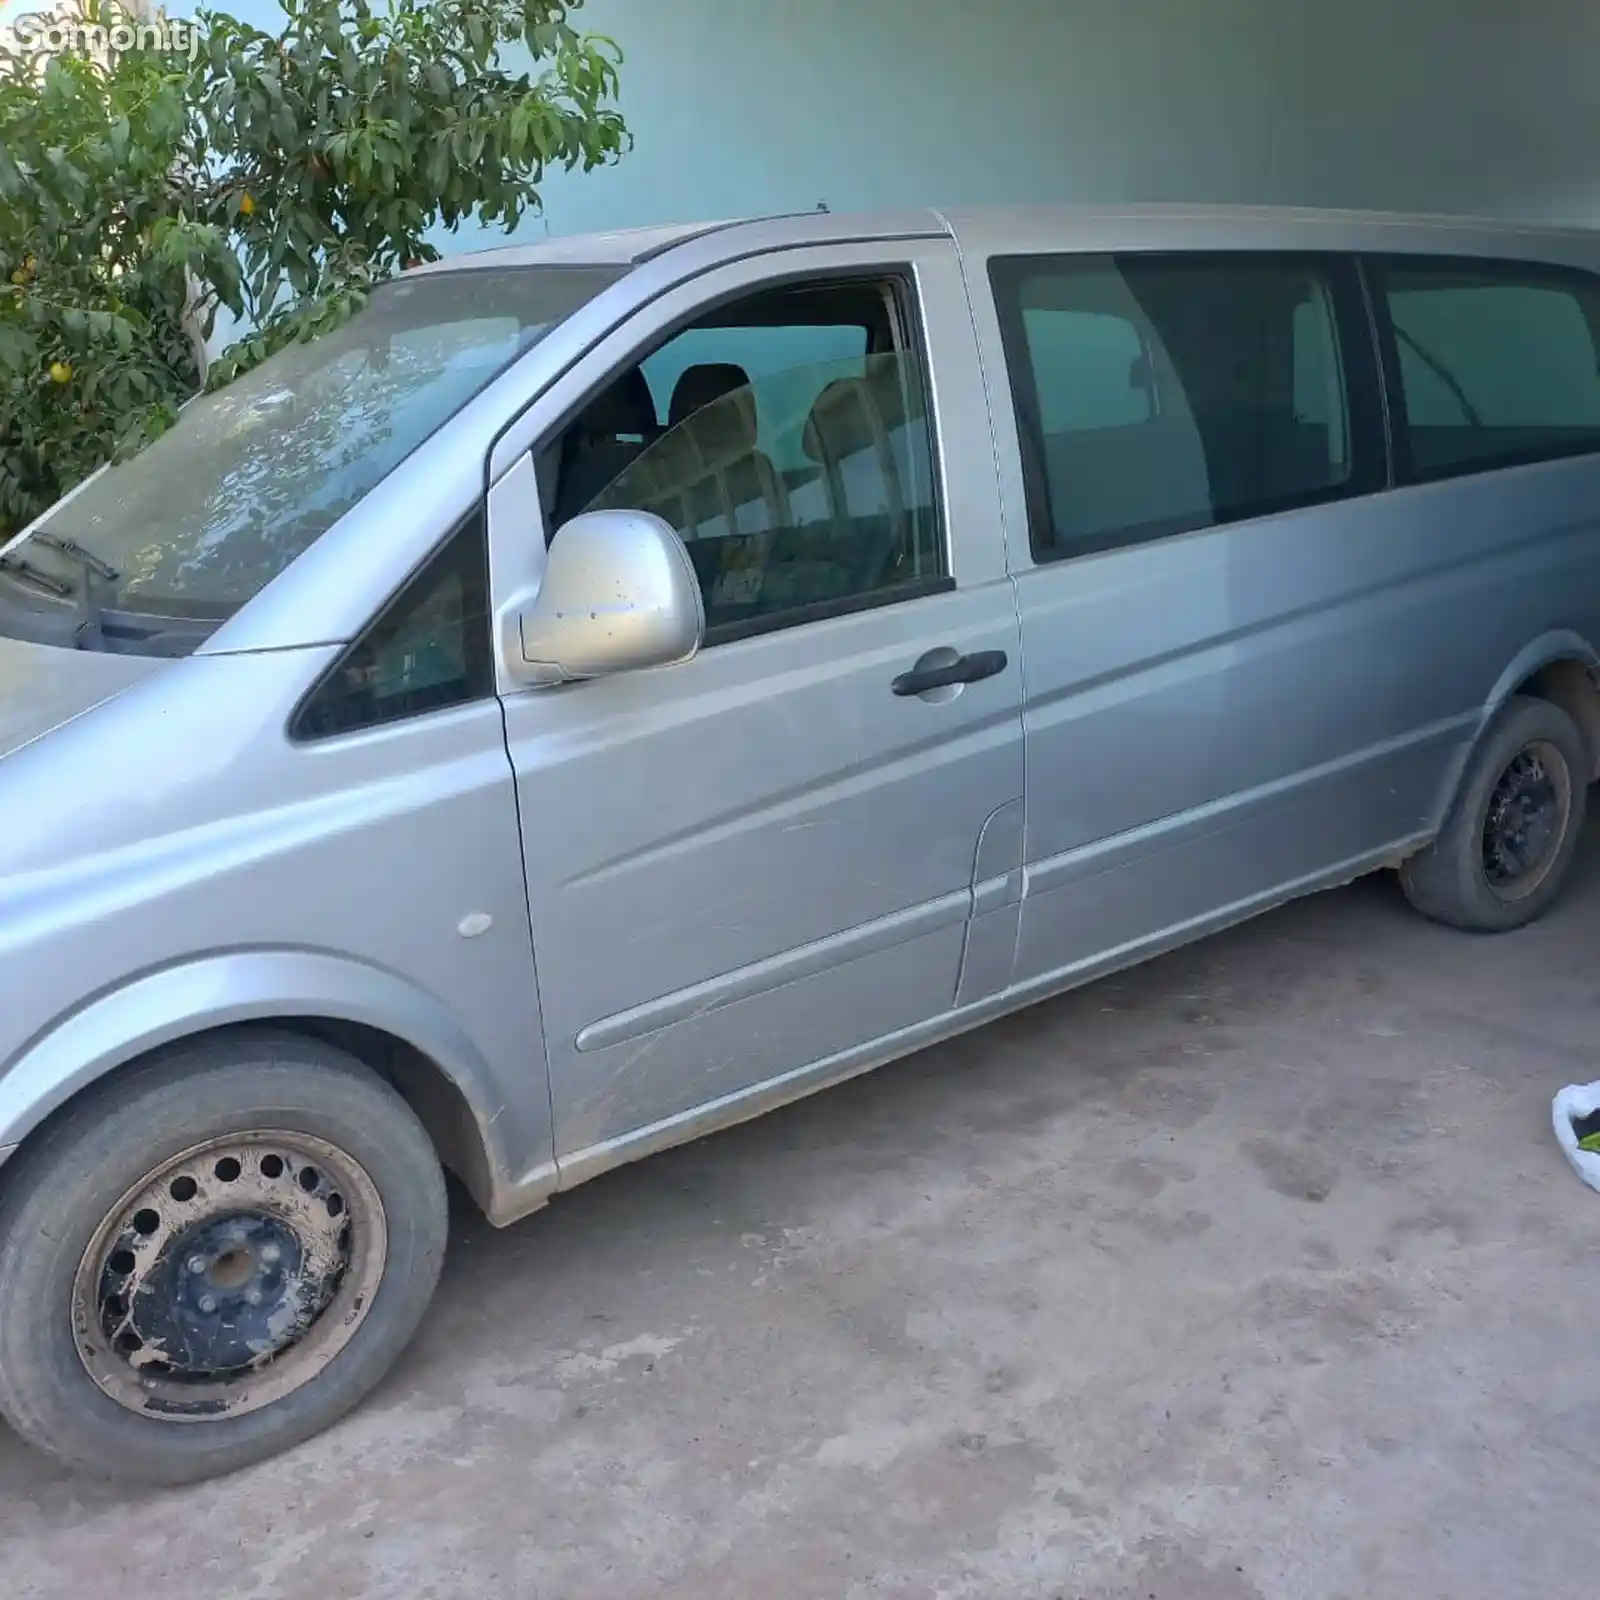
(964, 669)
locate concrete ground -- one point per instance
(1254, 1273)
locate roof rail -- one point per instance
(722, 227)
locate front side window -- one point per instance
(1160, 394)
(1497, 362)
(786, 438)
(172, 542)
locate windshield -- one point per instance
(170, 543)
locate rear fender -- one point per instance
(1561, 644)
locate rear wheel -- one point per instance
(1505, 851)
(212, 1257)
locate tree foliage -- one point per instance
(273, 175)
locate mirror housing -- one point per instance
(619, 593)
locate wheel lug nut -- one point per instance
(270, 1254)
(197, 1265)
(253, 1296)
(208, 1303)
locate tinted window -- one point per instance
(1086, 366)
(1497, 362)
(787, 440)
(1158, 394)
(429, 650)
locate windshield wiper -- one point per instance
(71, 547)
(88, 635)
(26, 572)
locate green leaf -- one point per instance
(18, 353)
(358, 128)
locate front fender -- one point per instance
(247, 986)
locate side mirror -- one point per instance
(619, 593)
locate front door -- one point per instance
(744, 866)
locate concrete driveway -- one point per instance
(1254, 1273)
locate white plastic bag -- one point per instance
(1574, 1103)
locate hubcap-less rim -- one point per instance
(1525, 821)
(230, 1276)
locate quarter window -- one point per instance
(1160, 394)
(786, 438)
(428, 651)
(1497, 362)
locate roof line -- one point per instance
(710, 228)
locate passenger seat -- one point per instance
(707, 478)
(617, 428)
(706, 475)
(857, 433)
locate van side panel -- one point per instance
(1218, 718)
(1229, 713)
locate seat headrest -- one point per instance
(840, 424)
(698, 386)
(855, 414)
(714, 435)
(625, 406)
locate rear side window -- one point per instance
(1161, 394)
(1086, 364)
(1496, 361)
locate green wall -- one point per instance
(745, 106)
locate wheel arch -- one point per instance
(1573, 683)
(401, 1032)
(1561, 666)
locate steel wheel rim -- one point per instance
(1525, 820)
(229, 1276)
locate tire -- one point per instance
(1456, 880)
(355, 1237)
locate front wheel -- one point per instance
(212, 1257)
(1505, 851)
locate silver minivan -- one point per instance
(609, 689)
